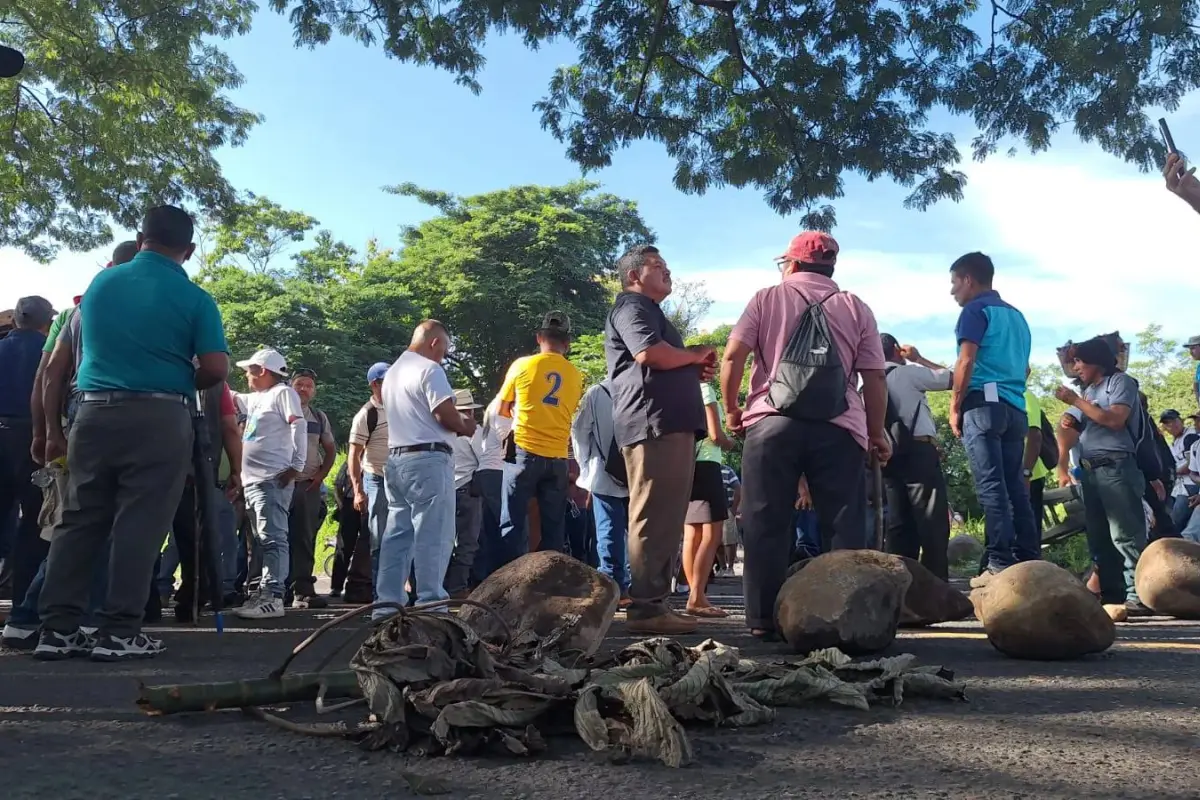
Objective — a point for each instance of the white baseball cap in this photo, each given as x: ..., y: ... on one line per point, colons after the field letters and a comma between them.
x: 268, y: 359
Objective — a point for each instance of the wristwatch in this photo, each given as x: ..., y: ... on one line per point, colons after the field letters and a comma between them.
x: 1027, y: 473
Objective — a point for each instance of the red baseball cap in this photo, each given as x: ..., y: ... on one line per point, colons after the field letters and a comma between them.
x: 812, y: 247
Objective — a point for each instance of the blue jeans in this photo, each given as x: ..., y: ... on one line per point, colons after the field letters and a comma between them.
x: 533, y: 477
x: 420, y: 528
x: 808, y: 534
x: 1191, y: 530
x: 377, y: 517
x: 267, y: 504
x: 612, y: 535
x: 1181, y: 512
x: 25, y: 613
x: 232, y: 546
x: 490, y: 483
x: 994, y: 437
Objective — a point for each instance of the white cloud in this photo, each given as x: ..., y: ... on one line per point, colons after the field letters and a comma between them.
x: 59, y: 282
x: 1079, y: 251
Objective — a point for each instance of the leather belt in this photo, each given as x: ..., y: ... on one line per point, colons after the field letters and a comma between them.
x: 925, y: 439
x: 431, y: 447
x: 1100, y: 461
x: 111, y: 397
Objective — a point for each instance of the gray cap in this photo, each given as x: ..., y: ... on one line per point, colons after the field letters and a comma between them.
x: 33, y: 312
x: 1192, y: 342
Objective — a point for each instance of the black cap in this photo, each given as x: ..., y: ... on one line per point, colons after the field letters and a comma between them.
x: 557, y: 322
x: 11, y: 62
x: 1169, y: 414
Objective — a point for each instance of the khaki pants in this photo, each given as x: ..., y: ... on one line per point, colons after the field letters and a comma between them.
x: 660, y: 485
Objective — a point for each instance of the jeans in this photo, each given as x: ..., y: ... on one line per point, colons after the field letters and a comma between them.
x: 232, y: 545
x: 1116, y: 525
x: 612, y: 533
x: 543, y: 479
x: 808, y: 534
x: 26, y: 547
x: 267, y: 504
x: 490, y: 484
x: 25, y: 614
x: 377, y: 518
x: 994, y: 437
x: 1191, y: 528
x: 420, y: 528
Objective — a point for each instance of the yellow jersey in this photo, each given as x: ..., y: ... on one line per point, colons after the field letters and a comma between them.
x: 545, y: 390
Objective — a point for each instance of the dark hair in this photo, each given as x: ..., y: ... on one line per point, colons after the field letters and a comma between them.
x: 633, y: 261
x: 890, y: 346
x: 556, y: 336
x: 304, y: 372
x: 124, y: 253
x: 975, y: 266
x: 168, y: 227
x: 1097, y: 353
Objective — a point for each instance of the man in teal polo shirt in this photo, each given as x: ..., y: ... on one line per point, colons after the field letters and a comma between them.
x: 131, y: 443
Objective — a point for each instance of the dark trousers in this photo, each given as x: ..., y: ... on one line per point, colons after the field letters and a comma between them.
x: 191, y: 542
x: 1164, y: 520
x: 16, y: 492
x: 778, y: 451
x: 468, y: 516
x: 533, y: 477
x: 490, y: 485
x: 581, y: 535
x: 1116, y: 525
x: 127, y: 461
x: 352, y: 559
x: 918, y: 508
x: 303, y: 523
x: 994, y: 438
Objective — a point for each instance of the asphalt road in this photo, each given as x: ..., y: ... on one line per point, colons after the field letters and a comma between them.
x: 1119, y: 725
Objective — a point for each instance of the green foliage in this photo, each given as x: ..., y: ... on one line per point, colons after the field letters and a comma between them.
x: 786, y: 97
x: 491, y: 265
x: 121, y: 106
x: 257, y: 231
x: 587, y: 353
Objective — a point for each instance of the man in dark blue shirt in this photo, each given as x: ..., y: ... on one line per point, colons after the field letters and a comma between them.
x: 130, y: 447
x: 987, y: 409
x: 20, y: 352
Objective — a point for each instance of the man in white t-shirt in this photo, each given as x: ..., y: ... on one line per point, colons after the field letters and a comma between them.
x: 1183, y: 436
x: 468, y: 506
x: 422, y: 423
x: 274, y: 450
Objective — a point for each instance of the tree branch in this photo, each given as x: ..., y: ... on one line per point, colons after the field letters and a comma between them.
x: 655, y: 40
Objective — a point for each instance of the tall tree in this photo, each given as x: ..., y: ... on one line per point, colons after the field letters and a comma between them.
x: 687, y: 306
x: 256, y: 231
x: 121, y: 106
x: 787, y: 97
x: 491, y: 265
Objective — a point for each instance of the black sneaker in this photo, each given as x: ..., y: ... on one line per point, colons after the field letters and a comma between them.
x: 1136, y: 608
x: 315, y: 601
x: 334, y: 594
x: 53, y: 646
x: 16, y: 637
x: 114, y: 648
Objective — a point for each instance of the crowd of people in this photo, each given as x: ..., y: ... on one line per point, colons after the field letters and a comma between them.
x: 120, y: 409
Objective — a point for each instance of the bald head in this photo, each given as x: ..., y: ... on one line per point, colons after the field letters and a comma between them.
x: 124, y: 253
x: 431, y: 340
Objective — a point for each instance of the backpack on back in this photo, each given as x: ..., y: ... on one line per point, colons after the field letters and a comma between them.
x: 1049, y: 453
x: 614, y: 461
x: 810, y: 381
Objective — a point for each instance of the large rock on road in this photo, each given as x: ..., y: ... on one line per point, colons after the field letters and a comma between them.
x: 1168, y: 577
x: 848, y: 599
x: 930, y: 599
x: 538, y: 592
x: 1038, y: 610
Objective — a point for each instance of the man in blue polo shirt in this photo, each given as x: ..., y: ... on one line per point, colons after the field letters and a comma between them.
x: 20, y: 352
x: 131, y: 443
x: 987, y: 409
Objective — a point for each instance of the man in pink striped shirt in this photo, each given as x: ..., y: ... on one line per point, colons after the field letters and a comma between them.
x: 785, y: 442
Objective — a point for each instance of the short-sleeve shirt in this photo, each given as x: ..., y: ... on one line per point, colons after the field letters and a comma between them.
x: 1180, y: 448
x: 143, y: 322
x: 317, y: 424
x: 545, y: 390
x: 773, y: 314
x: 648, y: 403
x: 1033, y: 413
x: 58, y: 326
x: 1002, y: 335
x: 1096, y: 440
x: 707, y: 449
x: 268, y: 445
x: 374, y: 442
x: 20, y: 354
x: 907, y: 385
x: 413, y: 388
x: 731, y: 481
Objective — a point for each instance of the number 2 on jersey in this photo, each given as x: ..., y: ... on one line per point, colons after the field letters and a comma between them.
x: 555, y: 380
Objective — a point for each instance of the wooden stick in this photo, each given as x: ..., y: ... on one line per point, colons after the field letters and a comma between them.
x: 292, y: 688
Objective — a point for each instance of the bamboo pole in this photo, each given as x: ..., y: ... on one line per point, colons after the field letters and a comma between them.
x: 290, y: 688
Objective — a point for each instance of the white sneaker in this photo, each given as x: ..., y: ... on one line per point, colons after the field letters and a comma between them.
x: 18, y: 638
x: 263, y: 607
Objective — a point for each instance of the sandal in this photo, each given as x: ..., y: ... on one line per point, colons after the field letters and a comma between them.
x: 707, y: 612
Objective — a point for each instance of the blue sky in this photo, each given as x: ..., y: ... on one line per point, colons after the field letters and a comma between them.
x: 1083, y: 243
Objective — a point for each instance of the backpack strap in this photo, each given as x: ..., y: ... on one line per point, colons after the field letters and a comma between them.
x: 372, y: 419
